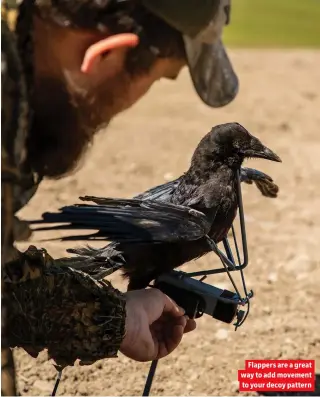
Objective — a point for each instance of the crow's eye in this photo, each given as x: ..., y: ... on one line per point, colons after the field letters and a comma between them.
x: 236, y: 144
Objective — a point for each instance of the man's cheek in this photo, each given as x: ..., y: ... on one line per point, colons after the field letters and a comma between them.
x: 138, y: 90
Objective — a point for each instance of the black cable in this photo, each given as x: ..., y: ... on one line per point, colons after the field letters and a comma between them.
x: 150, y: 377
x: 57, y: 383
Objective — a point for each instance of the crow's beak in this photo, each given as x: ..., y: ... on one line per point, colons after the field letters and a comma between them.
x: 270, y: 155
x: 263, y: 153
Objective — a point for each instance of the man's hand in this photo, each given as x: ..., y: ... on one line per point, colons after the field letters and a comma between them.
x: 154, y: 326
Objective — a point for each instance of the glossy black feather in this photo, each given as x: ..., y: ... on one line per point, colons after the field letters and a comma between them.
x: 132, y: 220
x: 153, y: 238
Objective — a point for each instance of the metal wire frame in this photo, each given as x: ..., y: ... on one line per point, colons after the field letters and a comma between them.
x: 227, y: 258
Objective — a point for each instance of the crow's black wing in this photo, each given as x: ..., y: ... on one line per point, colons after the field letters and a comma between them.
x: 263, y: 181
x: 128, y: 220
x: 161, y: 192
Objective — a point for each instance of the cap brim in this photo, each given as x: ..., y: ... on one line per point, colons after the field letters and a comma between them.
x: 211, y: 71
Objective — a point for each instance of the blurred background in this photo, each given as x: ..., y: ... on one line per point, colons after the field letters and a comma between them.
x: 274, y: 23
x: 273, y: 45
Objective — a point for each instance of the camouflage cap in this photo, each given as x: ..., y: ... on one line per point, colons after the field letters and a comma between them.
x: 201, y: 23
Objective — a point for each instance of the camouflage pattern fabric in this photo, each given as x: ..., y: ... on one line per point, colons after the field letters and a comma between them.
x: 43, y: 305
x: 13, y: 119
x: 63, y: 310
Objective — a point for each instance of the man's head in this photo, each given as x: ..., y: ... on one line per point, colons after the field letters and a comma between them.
x: 82, y: 81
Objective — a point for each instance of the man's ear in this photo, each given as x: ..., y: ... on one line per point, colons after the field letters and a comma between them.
x: 97, y: 49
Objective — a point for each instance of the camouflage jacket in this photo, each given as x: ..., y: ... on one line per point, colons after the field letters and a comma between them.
x: 44, y: 306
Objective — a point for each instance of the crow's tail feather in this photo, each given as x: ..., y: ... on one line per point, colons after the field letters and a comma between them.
x: 98, y: 262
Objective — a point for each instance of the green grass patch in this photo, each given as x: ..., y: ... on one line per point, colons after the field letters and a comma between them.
x: 274, y: 23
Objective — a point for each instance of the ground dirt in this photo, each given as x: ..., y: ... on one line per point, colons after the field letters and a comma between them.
x: 279, y: 102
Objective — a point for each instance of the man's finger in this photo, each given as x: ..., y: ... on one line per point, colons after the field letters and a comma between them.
x: 170, y: 307
x: 158, y: 305
x: 173, y: 334
x: 190, y: 326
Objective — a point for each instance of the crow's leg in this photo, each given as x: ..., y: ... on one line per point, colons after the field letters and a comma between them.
x: 263, y: 181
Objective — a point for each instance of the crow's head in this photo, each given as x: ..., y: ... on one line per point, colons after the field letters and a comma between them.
x: 231, y: 143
